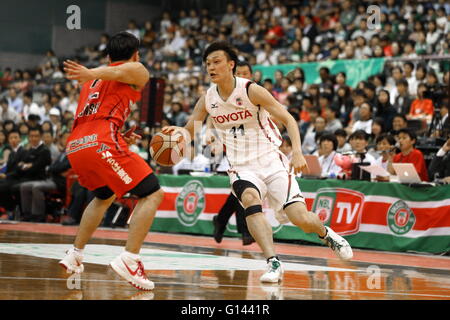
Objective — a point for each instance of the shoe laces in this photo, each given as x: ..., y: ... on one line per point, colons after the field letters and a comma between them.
x: 334, y: 244
x: 140, y: 271
x: 274, y: 265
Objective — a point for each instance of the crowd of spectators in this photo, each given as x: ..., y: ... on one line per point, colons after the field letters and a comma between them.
x: 332, y: 116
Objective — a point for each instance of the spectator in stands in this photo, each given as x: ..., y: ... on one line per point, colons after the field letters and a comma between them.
x: 384, y: 108
x: 332, y: 118
x: 80, y: 198
x: 49, y: 141
x: 359, y: 97
x: 5, y: 151
x: 343, y: 145
x: 403, y: 100
x: 421, y: 108
x: 409, y: 154
x: 398, y: 122
x: 309, y: 144
x: 397, y: 74
x: 32, y: 193
x: 386, y: 149
x: 30, y: 107
x: 328, y: 145
x: 14, y: 101
x: 8, y: 177
x: 365, y: 116
x: 440, y: 164
x: 359, y: 142
x: 7, y: 112
x: 378, y: 128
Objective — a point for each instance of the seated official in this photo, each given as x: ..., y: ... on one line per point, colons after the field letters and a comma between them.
x: 440, y: 164
x: 409, y: 154
x: 328, y: 144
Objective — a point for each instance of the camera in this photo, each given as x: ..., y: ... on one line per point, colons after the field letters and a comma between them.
x: 437, y: 94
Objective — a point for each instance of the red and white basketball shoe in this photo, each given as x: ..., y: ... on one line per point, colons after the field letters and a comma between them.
x: 132, y: 270
x: 72, y: 262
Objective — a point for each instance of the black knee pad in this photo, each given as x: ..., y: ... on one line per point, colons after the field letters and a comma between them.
x: 103, y: 193
x: 147, y: 186
x: 252, y: 210
x: 239, y: 187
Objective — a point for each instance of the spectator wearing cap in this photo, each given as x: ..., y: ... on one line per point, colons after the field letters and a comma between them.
x: 409, y: 154
x: 30, y: 107
x: 55, y: 119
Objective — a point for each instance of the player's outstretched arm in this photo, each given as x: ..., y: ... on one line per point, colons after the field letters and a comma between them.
x: 133, y: 73
x: 259, y: 96
x: 198, y: 116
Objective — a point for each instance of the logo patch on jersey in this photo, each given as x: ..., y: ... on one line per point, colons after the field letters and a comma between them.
x: 214, y: 105
x: 235, y: 116
x: 90, y: 108
x: 103, y: 147
x: 239, y: 101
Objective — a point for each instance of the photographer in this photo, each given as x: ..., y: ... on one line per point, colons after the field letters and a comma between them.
x: 440, y: 165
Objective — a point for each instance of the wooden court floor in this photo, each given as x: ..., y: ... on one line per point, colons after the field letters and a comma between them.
x: 187, y: 267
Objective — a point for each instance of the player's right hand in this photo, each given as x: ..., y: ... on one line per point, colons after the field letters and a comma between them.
x: 76, y: 71
x: 171, y: 130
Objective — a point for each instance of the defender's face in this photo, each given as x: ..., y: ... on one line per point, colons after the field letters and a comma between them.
x: 218, y: 66
x: 244, y: 72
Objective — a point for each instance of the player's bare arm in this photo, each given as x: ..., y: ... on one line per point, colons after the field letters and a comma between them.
x: 199, y: 114
x: 259, y: 96
x: 133, y: 73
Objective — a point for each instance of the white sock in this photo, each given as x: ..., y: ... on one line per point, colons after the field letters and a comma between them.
x: 132, y: 255
x: 79, y: 251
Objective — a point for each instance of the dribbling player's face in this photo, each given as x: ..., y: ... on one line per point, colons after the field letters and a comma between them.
x: 218, y: 66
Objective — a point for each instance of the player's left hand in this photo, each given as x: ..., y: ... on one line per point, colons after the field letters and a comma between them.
x: 130, y: 137
x: 298, y: 163
x: 76, y: 71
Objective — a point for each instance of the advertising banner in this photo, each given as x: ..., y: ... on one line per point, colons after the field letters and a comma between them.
x: 382, y: 216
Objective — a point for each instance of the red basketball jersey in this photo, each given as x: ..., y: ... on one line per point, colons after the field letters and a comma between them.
x: 105, y: 99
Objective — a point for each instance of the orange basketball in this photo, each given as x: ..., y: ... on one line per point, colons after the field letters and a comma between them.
x: 167, y: 149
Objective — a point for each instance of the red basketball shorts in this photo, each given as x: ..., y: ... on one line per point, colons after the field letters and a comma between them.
x: 100, y: 157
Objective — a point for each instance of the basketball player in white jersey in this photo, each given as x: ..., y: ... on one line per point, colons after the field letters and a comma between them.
x: 240, y: 111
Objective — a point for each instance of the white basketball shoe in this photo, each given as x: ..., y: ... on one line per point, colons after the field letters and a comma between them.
x: 274, y: 273
x: 72, y: 262
x: 132, y: 270
x: 338, y: 244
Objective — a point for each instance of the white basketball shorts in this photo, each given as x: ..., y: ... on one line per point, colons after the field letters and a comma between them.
x: 272, y: 178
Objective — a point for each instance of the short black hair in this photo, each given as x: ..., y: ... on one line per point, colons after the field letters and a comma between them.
x: 122, y: 46
x: 329, y: 137
x: 340, y: 133
x: 35, y: 128
x: 384, y: 136
x: 359, y: 134
x: 14, y: 130
x: 409, y: 132
x: 242, y: 63
x: 230, y: 52
x: 402, y: 82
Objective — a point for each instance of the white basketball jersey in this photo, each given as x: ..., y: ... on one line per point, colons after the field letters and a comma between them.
x: 246, y: 130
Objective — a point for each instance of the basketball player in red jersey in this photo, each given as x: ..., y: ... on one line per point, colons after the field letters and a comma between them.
x: 99, y: 154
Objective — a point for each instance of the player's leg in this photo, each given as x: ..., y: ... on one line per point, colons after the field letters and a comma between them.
x: 93, y: 215
x: 151, y: 195
x: 91, y: 219
x: 128, y: 264
x: 258, y: 226
x: 295, y: 208
x: 257, y: 223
